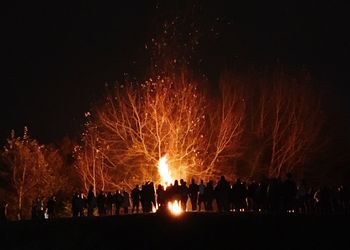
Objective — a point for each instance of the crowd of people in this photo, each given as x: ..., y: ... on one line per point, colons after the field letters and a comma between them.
x: 275, y: 195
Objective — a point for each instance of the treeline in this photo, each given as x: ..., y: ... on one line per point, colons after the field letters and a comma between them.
x: 29, y: 170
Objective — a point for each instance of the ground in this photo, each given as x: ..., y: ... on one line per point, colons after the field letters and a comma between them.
x: 188, y: 231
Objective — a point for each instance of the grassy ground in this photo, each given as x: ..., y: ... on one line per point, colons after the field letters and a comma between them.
x: 188, y: 231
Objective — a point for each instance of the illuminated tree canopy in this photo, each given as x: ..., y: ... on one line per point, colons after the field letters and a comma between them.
x: 30, y: 170
x: 273, y: 126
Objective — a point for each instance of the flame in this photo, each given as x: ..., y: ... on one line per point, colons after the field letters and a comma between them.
x: 166, y: 179
x: 164, y: 171
x: 154, y: 209
x: 175, y: 207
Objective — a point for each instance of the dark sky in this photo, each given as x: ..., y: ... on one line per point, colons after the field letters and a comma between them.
x: 57, y: 57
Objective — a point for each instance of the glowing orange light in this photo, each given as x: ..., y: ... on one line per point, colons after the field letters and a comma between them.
x: 154, y: 209
x: 175, y: 207
x: 164, y: 172
x: 165, y: 179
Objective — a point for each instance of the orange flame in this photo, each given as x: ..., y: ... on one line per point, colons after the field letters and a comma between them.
x: 175, y: 207
x: 166, y: 179
x: 164, y: 172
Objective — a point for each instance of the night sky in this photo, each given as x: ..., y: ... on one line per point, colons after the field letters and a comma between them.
x: 56, y: 57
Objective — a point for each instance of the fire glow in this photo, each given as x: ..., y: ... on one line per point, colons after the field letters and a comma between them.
x: 164, y: 171
x: 175, y: 207
x: 166, y: 179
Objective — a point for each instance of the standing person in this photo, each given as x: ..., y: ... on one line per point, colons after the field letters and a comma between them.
x: 143, y: 198
x: 109, y: 203
x: 160, y: 197
x: 135, y: 197
x: 201, y: 196
x: 82, y: 204
x: 289, y: 193
x: 118, y: 198
x: 151, y: 196
x: 51, y: 207
x: 209, y: 195
x: 193, y: 190
x: 301, y: 197
x: 38, y: 209
x: 184, y: 194
x: 101, y: 201
x: 126, y: 202
x: 91, y: 201
x: 222, y: 191
x: 75, y: 204
x: 3, y: 211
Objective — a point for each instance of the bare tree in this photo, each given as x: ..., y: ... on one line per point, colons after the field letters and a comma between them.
x: 227, y: 112
x: 140, y: 123
x: 89, y: 159
x: 287, y: 120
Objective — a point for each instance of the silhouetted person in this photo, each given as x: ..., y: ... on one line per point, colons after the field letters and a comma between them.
x: 193, y: 192
x: 239, y: 194
x: 78, y: 205
x: 261, y: 195
x: 275, y: 194
x: 51, y: 207
x: 83, y: 204
x: 91, y: 201
x: 126, y: 202
x: 3, y: 211
x: 148, y: 197
x: 75, y: 204
x: 135, y: 197
x: 152, y: 194
x: 101, y: 201
x: 316, y: 198
x: 143, y: 198
x: 301, y: 197
x: 201, y: 196
x: 118, y: 197
x: 184, y: 194
x: 251, y: 196
x: 222, y: 191
x: 38, y: 209
x: 209, y: 195
x: 169, y: 193
x: 160, y: 197
x: 176, y: 191
x: 341, y: 198
x: 289, y: 193
x: 109, y: 203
